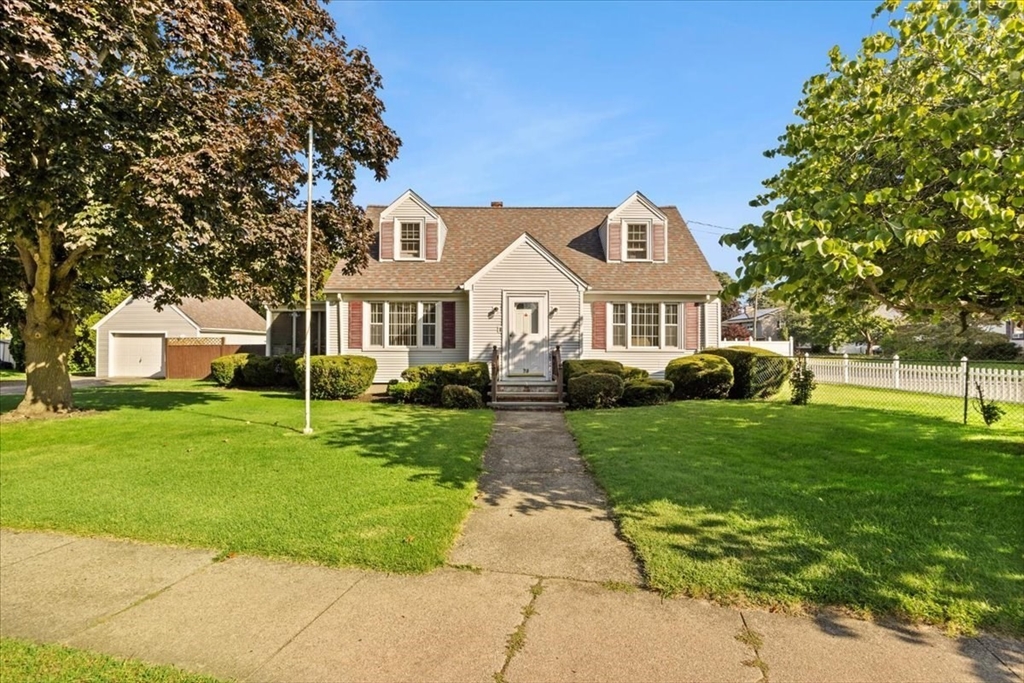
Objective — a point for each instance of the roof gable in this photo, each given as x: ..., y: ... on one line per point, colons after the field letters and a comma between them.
x: 637, y: 198
x: 409, y: 195
x: 544, y: 253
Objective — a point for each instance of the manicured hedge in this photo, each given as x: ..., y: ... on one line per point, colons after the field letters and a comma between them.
x: 334, y: 377
x: 701, y: 375
x: 646, y: 392
x: 757, y: 373
x: 629, y: 374
x: 227, y: 370
x: 575, y: 368
x: 595, y: 390
x: 433, y: 378
x: 259, y: 371
x: 403, y: 392
x: 457, y: 396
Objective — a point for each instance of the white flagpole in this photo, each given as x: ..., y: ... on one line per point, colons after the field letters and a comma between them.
x: 309, y: 266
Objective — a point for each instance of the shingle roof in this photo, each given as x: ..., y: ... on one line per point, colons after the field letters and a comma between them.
x: 477, y: 234
x: 749, y: 317
x: 222, y: 314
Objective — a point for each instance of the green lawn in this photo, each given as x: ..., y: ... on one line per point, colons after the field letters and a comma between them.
x: 6, y: 373
x: 901, y: 512
x: 376, y: 486
x: 22, y: 662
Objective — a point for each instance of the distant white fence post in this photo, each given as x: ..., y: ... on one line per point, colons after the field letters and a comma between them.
x: 846, y: 368
x: 896, y: 371
x: 792, y: 347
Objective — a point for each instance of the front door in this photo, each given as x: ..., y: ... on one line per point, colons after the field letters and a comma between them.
x: 528, y: 336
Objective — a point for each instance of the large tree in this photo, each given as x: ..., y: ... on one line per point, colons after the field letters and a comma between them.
x: 156, y: 146
x: 904, y: 181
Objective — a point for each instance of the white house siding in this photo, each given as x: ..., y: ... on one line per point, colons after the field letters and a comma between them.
x: 141, y: 317
x: 391, y: 362
x: 525, y: 271
x: 712, y: 324
x: 651, y: 360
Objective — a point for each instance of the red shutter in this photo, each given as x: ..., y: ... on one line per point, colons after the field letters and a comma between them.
x: 355, y: 324
x: 447, y: 324
x: 659, y: 241
x: 691, y: 325
x: 599, y: 327
x: 387, y: 240
x: 431, y: 241
x: 614, y: 240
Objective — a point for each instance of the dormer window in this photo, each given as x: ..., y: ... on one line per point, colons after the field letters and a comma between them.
x: 638, y: 241
x: 410, y: 241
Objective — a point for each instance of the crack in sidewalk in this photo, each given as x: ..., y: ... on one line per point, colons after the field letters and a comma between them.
x: 754, y: 641
x: 517, y: 639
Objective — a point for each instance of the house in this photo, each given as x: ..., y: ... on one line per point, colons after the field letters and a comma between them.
x: 131, y: 339
x: 768, y: 322
x: 451, y: 284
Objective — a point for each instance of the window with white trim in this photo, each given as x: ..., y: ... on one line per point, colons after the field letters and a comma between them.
x: 638, y: 241
x: 404, y: 324
x: 410, y: 243
x: 619, y: 325
x: 377, y: 323
x: 428, y: 324
x: 646, y: 325
x: 672, y: 325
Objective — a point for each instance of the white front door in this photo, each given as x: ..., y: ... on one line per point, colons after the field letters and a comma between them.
x: 528, y: 336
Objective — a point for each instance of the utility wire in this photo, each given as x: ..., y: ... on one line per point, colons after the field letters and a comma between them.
x: 712, y: 225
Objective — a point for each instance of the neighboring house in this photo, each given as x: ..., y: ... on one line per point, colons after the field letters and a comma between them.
x: 1015, y: 332
x: 768, y: 322
x: 450, y: 284
x: 130, y: 340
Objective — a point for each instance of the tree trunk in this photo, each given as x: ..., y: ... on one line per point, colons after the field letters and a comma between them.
x: 48, y: 342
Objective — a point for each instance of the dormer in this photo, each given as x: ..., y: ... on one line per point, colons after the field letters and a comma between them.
x: 410, y: 230
x: 635, y: 231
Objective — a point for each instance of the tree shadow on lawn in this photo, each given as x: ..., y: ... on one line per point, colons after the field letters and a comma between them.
x: 436, y: 442
x: 129, y: 396
x: 867, y: 510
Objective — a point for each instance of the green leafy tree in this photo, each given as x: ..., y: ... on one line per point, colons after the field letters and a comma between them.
x: 158, y: 147
x: 904, y: 181
x: 731, y: 306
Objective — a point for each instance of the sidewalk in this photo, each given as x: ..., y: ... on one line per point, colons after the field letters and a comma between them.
x: 540, y: 589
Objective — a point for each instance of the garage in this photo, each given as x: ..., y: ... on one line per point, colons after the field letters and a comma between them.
x: 136, y: 355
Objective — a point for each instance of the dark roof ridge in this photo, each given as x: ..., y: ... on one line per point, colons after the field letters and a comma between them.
x: 539, y: 208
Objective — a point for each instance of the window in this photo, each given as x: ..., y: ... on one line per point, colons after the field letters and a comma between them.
x: 646, y: 325
x: 619, y: 325
x: 402, y: 324
x: 428, y: 324
x: 672, y: 325
x: 377, y: 323
x: 644, y: 328
x: 636, y: 242
x: 409, y: 240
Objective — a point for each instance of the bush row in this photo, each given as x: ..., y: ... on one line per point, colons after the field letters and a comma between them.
x: 330, y: 377
x: 451, y: 385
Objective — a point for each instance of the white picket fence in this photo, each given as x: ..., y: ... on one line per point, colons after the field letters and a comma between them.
x: 999, y: 384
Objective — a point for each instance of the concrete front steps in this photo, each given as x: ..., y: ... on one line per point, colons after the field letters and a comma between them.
x: 526, y: 395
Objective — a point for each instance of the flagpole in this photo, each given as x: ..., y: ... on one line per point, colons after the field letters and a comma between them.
x: 309, y: 266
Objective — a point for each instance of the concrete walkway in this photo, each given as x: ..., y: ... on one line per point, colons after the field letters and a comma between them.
x: 538, y: 510
x: 540, y: 589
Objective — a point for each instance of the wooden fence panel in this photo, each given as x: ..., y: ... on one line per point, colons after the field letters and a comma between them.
x: 190, y: 357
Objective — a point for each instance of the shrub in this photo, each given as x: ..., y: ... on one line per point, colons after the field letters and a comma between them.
x: 701, y: 375
x: 757, y: 373
x: 575, y: 368
x: 595, y: 390
x: 403, y: 392
x: 803, y: 384
x: 458, y: 396
x: 334, y: 377
x: 285, y: 368
x: 629, y: 374
x: 259, y: 371
x: 999, y: 350
x: 646, y: 392
x: 433, y: 378
x: 227, y: 370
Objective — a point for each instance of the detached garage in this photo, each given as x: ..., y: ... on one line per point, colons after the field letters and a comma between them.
x: 131, y: 340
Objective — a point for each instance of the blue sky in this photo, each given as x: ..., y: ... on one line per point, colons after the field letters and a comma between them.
x: 580, y: 104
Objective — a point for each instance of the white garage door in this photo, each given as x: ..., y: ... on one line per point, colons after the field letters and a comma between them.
x: 136, y: 355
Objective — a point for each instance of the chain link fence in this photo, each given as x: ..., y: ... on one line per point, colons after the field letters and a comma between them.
x: 955, y: 391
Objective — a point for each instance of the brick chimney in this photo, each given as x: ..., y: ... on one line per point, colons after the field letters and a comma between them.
x: 497, y: 205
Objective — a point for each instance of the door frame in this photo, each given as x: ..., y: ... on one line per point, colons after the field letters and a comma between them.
x: 544, y: 329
